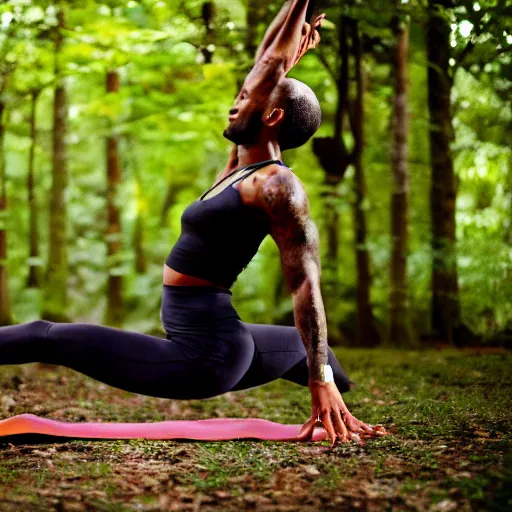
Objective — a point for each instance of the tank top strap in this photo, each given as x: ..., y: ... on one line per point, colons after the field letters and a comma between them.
x: 247, y: 171
x: 256, y: 167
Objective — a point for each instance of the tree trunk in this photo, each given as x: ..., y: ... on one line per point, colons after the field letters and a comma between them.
x: 115, y: 310
x: 399, y: 325
x: 138, y: 245
x: 34, y: 273
x: 508, y: 187
x: 208, y: 15
x: 138, y: 232
x: 333, y: 228
x: 445, y: 294
x: 5, y: 309
x: 330, y: 273
x: 331, y: 151
x: 253, y: 18
x: 508, y: 229
x: 333, y: 157
x: 170, y: 198
x: 366, y: 335
x: 55, y: 294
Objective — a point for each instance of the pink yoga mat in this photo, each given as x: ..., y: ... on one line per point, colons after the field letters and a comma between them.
x: 215, y: 429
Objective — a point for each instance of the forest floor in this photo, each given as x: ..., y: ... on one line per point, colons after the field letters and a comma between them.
x: 450, y: 413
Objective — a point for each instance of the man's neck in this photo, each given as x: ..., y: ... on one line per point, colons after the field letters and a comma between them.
x: 253, y: 153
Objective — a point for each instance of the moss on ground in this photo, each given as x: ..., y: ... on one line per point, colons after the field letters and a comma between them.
x: 450, y: 412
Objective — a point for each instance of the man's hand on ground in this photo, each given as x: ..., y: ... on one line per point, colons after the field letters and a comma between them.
x: 328, y: 408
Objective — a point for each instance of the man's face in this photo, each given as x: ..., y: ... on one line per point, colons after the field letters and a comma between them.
x: 245, y: 122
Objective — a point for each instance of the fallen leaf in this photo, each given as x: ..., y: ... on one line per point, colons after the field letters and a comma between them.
x: 481, y: 433
x: 311, y: 470
x: 7, y: 402
x: 444, y: 506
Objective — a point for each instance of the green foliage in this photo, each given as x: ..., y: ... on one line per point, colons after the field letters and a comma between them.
x: 170, y: 113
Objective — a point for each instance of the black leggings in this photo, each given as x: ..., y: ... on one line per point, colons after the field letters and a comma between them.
x: 208, y: 351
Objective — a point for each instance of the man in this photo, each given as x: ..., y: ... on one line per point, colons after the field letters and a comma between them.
x: 272, y: 113
x: 209, y: 350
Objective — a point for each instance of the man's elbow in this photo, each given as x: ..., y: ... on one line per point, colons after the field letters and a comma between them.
x: 304, y: 287
x: 302, y: 277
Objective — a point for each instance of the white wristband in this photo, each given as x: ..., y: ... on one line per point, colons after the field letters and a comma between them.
x: 327, y: 373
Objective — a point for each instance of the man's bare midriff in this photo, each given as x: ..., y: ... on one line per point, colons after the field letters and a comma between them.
x: 172, y: 277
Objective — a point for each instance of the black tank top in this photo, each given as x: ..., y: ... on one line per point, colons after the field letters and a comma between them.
x: 220, y: 236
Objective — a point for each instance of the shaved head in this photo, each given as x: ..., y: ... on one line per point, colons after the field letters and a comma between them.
x: 302, y: 113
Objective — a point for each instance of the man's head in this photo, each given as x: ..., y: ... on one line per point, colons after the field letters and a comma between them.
x: 290, y: 114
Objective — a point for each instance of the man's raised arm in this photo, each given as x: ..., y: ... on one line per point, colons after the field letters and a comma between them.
x: 281, y: 54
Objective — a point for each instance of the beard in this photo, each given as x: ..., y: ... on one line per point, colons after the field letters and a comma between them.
x: 245, y: 132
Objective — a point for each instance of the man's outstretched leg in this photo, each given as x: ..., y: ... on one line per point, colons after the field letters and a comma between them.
x: 127, y: 360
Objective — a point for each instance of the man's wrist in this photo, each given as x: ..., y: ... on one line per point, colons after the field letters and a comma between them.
x: 323, y: 373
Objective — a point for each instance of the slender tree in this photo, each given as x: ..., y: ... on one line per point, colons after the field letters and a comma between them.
x: 173, y: 190
x: 208, y: 15
x: 34, y: 274
x: 253, y: 18
x: 366, y: 334
x: 445, y: 308
x: 399, y: 327
x: 138, y: 244
x: 138, y: 231
x: 332, y: 152
x: 334, y: 157
x: 115, y: 309
x: 55, y: 296
x: 508, y: 188
x: 5, y: 309
x: 508, y: 230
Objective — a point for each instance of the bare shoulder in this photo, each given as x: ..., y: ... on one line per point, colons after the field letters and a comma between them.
x: 284, y: 199
x: 282, y: 195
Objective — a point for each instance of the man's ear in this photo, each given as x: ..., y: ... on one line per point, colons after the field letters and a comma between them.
x: 274, y: 117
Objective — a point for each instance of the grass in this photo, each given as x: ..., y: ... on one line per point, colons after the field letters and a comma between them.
x: 450, y: 413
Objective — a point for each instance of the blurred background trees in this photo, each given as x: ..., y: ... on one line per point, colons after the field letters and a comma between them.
x: 111, y: 120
